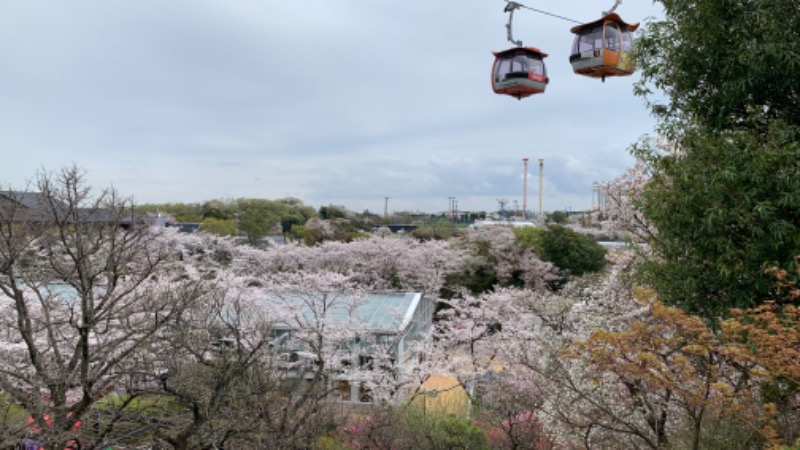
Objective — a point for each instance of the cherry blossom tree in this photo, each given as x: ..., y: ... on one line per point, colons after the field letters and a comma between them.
x: 268, y: 359
x: 620, y: 208
x: 194, y: 340
x: 506, y: 346
x: 211, y: 368
x: 377, y: 262
x: 495, y: 259
x: 639, y: 374
x: 496, y: 344
x: 84, y: 288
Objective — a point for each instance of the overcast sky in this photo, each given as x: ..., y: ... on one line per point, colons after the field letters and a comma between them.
x: 344, y: 102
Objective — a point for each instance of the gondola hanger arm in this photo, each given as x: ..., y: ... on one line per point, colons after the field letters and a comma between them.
x: 510, y: 7
x: 616, y: 3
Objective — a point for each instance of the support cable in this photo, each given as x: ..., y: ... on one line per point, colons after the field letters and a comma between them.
x: 511, y: 6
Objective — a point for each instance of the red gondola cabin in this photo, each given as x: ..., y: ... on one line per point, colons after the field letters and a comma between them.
x: 603, y: 48
x: 519, y: 72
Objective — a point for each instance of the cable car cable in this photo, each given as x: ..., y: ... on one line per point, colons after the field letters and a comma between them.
x: 511, y: 6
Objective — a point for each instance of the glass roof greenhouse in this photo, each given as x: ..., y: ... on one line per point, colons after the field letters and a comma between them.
x: 386, y: 312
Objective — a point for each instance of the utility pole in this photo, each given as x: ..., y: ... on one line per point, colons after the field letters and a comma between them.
x: 451, y: 207
x: 502, y: 202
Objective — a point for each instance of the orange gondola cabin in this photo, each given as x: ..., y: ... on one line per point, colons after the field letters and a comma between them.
x: 603, y: 48
x: 519, y: 72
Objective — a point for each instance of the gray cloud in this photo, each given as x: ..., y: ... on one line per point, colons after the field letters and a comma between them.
x: 342, y: 102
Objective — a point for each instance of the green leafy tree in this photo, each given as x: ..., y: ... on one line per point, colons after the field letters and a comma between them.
x: 218, y: 209
x: 297, y: 233
x: 256, y: 218
x: 559, y: 217
x: 725, y: 201
x: 569, y: 250
x: 529, y: 237
x: 220, y: 227
x: 332, y: 212
x: 724, y: 211
x: 721, y: 62
x: 294, y: 212
x: 182, y: 212
x: 439, y: 230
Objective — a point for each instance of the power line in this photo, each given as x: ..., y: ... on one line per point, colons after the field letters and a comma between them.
x: 520, y: 5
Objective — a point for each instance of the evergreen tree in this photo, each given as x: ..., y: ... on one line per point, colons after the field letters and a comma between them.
x: 726, y: 201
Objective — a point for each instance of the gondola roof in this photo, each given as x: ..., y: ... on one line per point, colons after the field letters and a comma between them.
x: 612, y: 17
x: 513, y: 49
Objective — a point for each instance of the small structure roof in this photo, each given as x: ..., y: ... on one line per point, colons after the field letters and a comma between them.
x: 388, y: 312
x: 25, y: 199
x: 35, y: 206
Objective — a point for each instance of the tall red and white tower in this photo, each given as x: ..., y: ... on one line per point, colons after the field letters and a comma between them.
x: 541, y: 180
x: 525, y: 188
